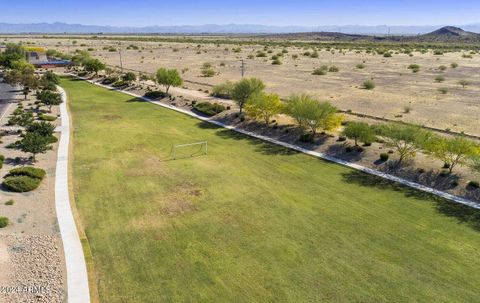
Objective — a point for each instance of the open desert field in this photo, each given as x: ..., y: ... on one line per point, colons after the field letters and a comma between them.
x: 250, y: 222
x: 458, y: 109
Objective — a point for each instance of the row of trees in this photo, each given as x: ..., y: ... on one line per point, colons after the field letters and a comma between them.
x: 407, y: 140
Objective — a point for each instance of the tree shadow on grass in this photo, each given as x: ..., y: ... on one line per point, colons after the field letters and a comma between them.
x: 135, y: 100
x: 462, y: 213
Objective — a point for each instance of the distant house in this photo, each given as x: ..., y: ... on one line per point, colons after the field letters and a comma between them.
x: 40, y: 59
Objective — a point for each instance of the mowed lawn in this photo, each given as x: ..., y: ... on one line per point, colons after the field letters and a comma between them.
x: 250, y: 222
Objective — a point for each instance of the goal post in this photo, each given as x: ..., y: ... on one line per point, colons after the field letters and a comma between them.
x: 203, y: 148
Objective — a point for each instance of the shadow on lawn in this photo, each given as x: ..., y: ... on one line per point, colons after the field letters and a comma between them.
x: 462, y: 213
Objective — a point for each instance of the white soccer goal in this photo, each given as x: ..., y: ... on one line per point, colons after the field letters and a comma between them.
x: 191, y: 151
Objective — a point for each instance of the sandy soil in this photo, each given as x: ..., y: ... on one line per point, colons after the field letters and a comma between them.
x: 31, y: 252
x: 396, y: 86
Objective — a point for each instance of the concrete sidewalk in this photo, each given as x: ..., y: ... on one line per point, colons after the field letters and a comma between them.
x: 77, y: 277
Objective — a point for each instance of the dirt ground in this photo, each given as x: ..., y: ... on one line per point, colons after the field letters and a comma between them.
x: 397, y: 87
x: 31, y: 252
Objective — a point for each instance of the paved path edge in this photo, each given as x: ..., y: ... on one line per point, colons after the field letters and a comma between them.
x: 77, y: 277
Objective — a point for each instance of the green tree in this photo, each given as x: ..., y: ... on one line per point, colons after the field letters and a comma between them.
x: 42, y: 128
x: 264, y: 106
x: 406, y: 139
x: 312, y: 114
x: 244, y: 89
x: 12, y: 53
x: 453, y: 151
x: 129, y: 77
x: 49, y: 98
x: 24, y: 118
x: 35, y: 144
x: 50, y: 77
x: 359, y: 131
x: 93, y: 65
x: 168, y: 78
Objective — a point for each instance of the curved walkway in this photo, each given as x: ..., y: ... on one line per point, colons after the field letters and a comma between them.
x: 77, y: 277
x: 321, y: 155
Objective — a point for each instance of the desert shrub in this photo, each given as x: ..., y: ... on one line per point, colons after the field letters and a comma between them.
x: 369, y: 84
x: 307, y: 138
x: 3, y: 222
x: 209, y: 109
x: 320, y: 71
x: 442, y: 68
x: 21, y: 183
x: 463, y: 83
x: 43, y: 117
x: 438, y: 52
x: 29, y: 171
x: 276, y: 62
x: 109, y: 80
x: 155, y: 94
x: 439, y: 79
x: 384, y: 157
x: 261, y: 54
x: 360, y: 66
x: 207, y: 70
x: 407, y: 109
x: 10, y: 202
x: 443, y: 90
x: 387, y: 54
x: 454, y: 65
x: 119, y: 83
x: 314, y: 55
x: 415, y: 68
x: 333, y: 69
x: 473, y: 184
x: 223, y: 90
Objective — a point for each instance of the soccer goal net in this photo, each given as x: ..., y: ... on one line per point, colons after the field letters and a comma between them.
x: 189, y: 150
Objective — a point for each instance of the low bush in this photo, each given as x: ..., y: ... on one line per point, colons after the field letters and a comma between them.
x: 369, y: 84
x: 223, y: 90
x: 443, y: 90
x: 360, y: 66
x: 209, y: 109
x: 2, y: 159
x: 155, y: 94
x: 3, y: 222
x: 307, y: 138
x: 473, y: 184
x: 21, y: 183
x: 415, y: 68
x: 439, y: 79
x: 10, y: 202
x: 333, y: 69
x: 43, y: 117
x: 29, y: 171
x: 277, y: 62
x: 109, y: 80
x: 384, y: 157
x: 119, y: 83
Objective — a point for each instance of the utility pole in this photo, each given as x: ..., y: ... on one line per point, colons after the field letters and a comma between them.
x: 242, y: 67
x: 120, y: 53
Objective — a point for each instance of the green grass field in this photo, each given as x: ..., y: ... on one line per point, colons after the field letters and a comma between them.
x: 251, y: 222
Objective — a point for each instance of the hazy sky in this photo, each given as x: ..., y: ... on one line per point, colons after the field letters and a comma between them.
x: 268, y: 12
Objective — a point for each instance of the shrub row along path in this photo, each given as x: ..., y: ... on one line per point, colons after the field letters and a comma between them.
x: 77, y: 278
x: 321, y: 155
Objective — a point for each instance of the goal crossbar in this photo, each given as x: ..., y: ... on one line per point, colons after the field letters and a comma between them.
x: 175, y: 147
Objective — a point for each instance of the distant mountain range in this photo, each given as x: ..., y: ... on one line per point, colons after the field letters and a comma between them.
x: 444, y: 34
x: 58, y: 28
